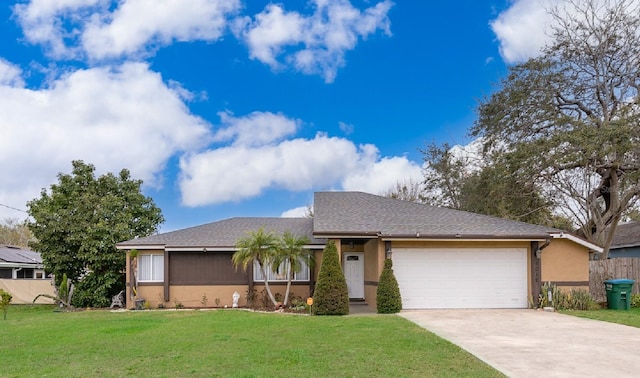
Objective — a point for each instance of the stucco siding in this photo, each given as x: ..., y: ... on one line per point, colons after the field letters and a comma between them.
x: 565, y: 262
x: 205, y: 296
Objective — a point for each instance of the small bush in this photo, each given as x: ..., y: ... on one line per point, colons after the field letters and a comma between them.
x: 388, y: 299
x: 5, y: 300
x: 635, y: 301
x: 331, y: 296
x: 576, y: 299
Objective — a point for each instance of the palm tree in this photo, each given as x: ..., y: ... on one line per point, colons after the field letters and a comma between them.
x: 292, y: 253
x: 258, y: 246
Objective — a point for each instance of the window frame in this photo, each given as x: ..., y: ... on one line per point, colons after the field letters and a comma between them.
x: 154, y: 257
x: 305, y: 272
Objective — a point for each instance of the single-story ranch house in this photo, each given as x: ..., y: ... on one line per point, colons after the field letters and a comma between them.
x: 22, y: 275
x: 442, y: 258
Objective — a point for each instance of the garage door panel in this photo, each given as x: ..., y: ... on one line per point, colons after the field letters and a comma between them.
x: 462, y: 277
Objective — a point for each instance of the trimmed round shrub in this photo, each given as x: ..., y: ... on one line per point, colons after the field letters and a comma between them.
x: 388, y: 299
x: 331, y: 296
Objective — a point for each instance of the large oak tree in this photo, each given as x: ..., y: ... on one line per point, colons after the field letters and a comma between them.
x: 571, y: 117
x: 79, y: 220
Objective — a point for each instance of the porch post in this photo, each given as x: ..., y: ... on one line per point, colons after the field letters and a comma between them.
x: 166, y: 276
x: 536, y: 274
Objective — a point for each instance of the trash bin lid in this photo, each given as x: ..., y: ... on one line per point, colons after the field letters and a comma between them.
x: 620, y: 281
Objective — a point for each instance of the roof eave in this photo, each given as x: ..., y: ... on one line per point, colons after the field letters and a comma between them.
x: 346, y: 235
x: 466, y: 237
x: 21, y: 265
x: 123, y: 246
x: 577, y: 240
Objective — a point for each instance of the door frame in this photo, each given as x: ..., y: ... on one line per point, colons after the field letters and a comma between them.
x: 360, y: 284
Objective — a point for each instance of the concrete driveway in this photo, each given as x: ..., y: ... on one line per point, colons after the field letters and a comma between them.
x: 530, y: 343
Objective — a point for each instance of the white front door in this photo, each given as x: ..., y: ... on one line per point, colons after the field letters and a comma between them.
x: 354, y: 273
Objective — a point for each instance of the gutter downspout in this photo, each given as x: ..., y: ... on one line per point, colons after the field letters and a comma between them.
x: 14, y: 273
x: 538, y: 251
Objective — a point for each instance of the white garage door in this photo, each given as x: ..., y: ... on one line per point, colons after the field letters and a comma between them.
x: 461, y: 278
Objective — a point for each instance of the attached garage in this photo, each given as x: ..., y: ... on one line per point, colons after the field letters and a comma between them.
x: 431, y: 278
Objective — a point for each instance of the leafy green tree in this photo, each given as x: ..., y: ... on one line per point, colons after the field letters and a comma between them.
x: 490, y: 185
x: 388, y: 299
x: 77, y: 223
x: 291, y: 253
x: 5, y: 301
x: 331, y: 296
x: 571, y: 117
x: 258, y: 246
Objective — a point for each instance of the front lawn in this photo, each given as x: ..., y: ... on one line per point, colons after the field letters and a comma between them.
x: 628, y: 317
x: 39, y: 342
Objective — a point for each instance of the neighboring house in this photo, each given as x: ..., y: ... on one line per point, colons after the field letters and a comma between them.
x: 22, y: 274
x: 626, y: 241
x: 442, y: 258
x: 20, y: 263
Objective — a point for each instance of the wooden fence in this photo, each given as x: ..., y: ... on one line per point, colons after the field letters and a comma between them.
x: 602, y: 270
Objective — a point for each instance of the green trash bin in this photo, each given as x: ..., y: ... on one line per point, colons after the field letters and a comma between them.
x: 619, y: 293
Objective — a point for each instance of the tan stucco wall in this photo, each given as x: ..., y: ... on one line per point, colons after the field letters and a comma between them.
x: 298, y: 290
x: 565, y: 261
x: 151, y: 294
x: 192, y: 296
x: 25, y: 290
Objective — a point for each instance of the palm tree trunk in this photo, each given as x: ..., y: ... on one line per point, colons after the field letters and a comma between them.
x: 286, y: 294
x: 266, y: 286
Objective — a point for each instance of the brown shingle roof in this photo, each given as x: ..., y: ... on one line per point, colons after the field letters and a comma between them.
x: 225, y: 233
x: 356, y: 213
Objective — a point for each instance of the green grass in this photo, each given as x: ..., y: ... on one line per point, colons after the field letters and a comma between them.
x: 627, y: 317
x: 39, y: 342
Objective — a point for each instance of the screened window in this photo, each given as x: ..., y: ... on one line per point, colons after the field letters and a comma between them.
x: 281, y: 273
x: 151, y: 268
x: 6, y: 273
x: 25, y: 273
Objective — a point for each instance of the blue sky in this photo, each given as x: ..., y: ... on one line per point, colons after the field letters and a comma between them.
x: 238, y: 108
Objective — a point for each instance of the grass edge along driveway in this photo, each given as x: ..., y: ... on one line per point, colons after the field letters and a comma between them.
x: 40, y: 342
x: 629, y: 317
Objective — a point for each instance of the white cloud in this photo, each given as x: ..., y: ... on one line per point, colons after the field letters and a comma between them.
x: 382, y: 175
x: 136, y: 23
x: 526, y: 26
x: 522, y: 29
x: 53, y: 23
x: 238, y: 172
x: 297, y: 212
x: 10, y: 74
x: 314, y: 44
x: 241, y: 171
x: 345, y: 127
x: 114, y: 118
x: 111, y: 29
x: 257, y: 128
